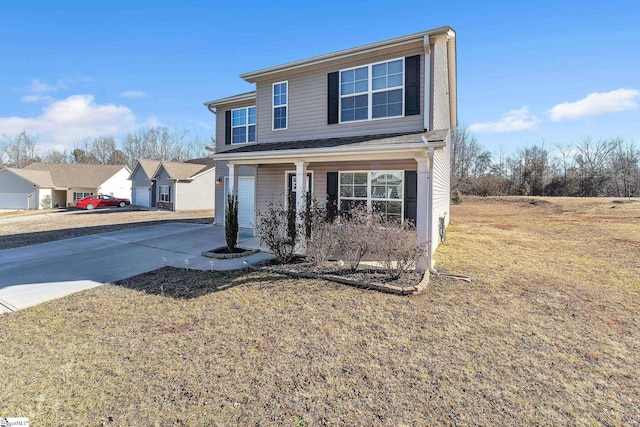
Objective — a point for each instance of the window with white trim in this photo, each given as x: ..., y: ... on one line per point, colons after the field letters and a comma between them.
x: 80, y: 195
x: 243, y: 125
x: 373, y: 91
x: 165, y: 193
x: 280, y: 105
x: 378, y: 190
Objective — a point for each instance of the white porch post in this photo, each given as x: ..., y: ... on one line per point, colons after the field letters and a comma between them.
x: 233, y: 179
x: 301, y: 191
x: 422, y: 210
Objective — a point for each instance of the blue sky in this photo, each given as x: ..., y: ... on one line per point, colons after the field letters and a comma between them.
x: 557, y: 71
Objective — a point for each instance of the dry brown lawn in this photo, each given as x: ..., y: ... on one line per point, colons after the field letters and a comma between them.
x: 548, y: 333
x: 46, y: 226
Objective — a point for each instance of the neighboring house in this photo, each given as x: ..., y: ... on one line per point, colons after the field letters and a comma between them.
x: 368, y: 125
x: 42, y: 185
x: 185, y: 186
x: 143, y: 186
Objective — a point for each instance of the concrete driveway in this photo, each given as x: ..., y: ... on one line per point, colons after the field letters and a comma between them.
x: 33, y: 274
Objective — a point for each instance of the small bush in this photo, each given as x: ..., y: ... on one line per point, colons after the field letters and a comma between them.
x: 276, y: 229
x: 353, y: 234
x: 45, y: 203
x: 231, y: 222
x: 456, y: 197
x: 320, y: 233
x: 394, y: 245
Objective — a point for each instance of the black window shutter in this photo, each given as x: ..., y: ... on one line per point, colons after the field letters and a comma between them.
x: 410, y: 195
x: 332, y: 195
x: 227, y: 127
x: 333, y: 98
x: 412, y: 85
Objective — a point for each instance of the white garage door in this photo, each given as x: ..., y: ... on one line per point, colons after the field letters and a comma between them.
x: 246, y: 201
x: 14, y: 201
x: 141, y: 196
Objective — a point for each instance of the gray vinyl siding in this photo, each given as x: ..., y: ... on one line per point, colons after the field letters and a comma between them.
x: 222, y: 171
x: 197, y: 194
x: 307, y: 105
x: 271, y: 179
x: 163, y: 179
x: 140, y: 179
x: 220, y: 124
x: 10, y: 183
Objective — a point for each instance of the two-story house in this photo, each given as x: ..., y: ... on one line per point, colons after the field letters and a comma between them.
x: 363, y: 126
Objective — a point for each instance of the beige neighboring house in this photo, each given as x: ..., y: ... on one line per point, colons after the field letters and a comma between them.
x: 370, y: 125
x: 42, y: 185
x: 179, y: 186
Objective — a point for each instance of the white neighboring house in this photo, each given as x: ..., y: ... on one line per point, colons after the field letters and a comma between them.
x: 42, y: 185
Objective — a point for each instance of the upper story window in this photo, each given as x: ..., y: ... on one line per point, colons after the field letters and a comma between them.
x: 280, y: 104
x: 373, y: 91
x: 243, y: 125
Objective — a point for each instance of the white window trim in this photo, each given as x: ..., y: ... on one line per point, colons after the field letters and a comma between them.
x: 168, y: 193
x: 370, y: 91
x: 86, y: 194
x: 273, y: 107
x: 370, y: 199
x: 246, y: 125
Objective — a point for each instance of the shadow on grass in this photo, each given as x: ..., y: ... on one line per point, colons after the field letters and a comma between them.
x: 178, y: 283
x: 26, y: 239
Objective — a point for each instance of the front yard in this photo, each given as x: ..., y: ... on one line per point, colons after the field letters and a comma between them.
x: 547, y: 333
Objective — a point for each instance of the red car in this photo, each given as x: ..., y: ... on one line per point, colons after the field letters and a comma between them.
x: 101, y: 201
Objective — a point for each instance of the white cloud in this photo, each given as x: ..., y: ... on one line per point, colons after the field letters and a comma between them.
x: 66, y: 121
x: 511, y: 121
x: 595, y: 104
x: 133, y: 94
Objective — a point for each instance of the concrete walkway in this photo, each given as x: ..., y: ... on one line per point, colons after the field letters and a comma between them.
x: 33, y: 274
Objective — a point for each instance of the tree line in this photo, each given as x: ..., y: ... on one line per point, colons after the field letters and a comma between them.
x: 153, y: 143
x: 589, y: 168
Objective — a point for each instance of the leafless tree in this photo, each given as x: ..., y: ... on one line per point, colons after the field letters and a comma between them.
x: 21, y: 150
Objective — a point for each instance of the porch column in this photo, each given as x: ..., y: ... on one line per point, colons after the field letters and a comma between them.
x: 301, y: 191
x: 233, y: 179
x: 422, y: 210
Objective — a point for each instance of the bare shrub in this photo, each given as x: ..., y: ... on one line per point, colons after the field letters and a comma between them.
x: 353, y: 234
x: 394, y: 246
x: 276, y: 229
x: 319, y: 233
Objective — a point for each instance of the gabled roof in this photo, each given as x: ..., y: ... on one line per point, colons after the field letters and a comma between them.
x: 149, y: 167
x: 185, y: 171
x: 40, y: 178
x: 252, y: 76
x: 76, y: 175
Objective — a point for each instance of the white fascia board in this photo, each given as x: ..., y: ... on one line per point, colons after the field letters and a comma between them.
x: 231, y: 99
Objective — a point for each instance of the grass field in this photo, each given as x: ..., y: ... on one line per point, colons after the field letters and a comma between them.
x: 548, y: 333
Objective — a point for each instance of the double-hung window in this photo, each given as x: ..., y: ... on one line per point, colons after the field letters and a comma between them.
x: 280, y: 105
x: 378, y: 190
x: 165, y: 193
x: 243, y: 125
x: 373, y: 91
